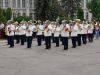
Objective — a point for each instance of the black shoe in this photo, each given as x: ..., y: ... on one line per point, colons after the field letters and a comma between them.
x: 11, y: 47
x: 73, y: 47
x: 57, y: 46
x: 66, y: 49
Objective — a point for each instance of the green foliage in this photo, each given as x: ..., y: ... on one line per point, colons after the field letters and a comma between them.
x: 48, y: 9
x: 80, y: 13
x: 5, y: 14
x: 71, y: 7
x: 2, y: 17
x: 21, y: 18
x: 8, y: 13
x: 94, y: 8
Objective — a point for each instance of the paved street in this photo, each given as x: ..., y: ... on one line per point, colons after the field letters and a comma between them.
x: 84, y: 60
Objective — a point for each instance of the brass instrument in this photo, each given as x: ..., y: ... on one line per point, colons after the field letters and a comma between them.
x: 9, y: 29
x: 46, y: 29
x: 65, y: 29
x: 35, y: 22
x: 27, y: 28
x: 79, y: 27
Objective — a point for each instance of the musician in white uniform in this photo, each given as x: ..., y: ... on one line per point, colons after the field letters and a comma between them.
x: 17, y: 36
x: 29, y: 32
x: 74, y: 34
x: 90, y: 32
x: 1, y: 26
x: 53, y: 26
x: 6, y: 32
x: 10, y: 33
x: 48, y: 34
x: 34, y: 30
x: 84, y: 33
x: 22, y: 32
x: 65, y: 35
x: 79, y: 32
x: 40, y: 29
x: 57, y: 31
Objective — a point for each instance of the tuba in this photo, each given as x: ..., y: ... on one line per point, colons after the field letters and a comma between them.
x: 35, y: 22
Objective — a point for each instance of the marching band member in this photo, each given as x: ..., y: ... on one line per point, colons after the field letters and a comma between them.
x: 17, y: 37
x: 57, y: 34
x: 48, y: 34
x: 79, y: 32
x: 34, y: 29
x: 84, y: 33
x: 53, y: 26
x: 90, y: 32
x: 29, y: 31
x: 65, y: 35
x: 6, y: 32
x: 1, y: 26
x: 22, y: 31
x: 10, y: 33
x: 74, y: 33
x: 40, y: 29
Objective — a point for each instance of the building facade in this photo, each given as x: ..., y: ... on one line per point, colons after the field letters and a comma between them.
x: 87, y: 14
x: 19, y: 7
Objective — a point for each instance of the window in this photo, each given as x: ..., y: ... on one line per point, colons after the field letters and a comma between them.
x: 19, y: 14
x: 1, y: 3
x: 24, y: 14
x: 31, y: 15
x: 30, y: 3
x: 23, y: 4
x: 6, y: 3
x: 18, y: 3
x: 14, y: 3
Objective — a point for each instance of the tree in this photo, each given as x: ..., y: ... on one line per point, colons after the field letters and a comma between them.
x: 48, y: 9
x: 94, y: 8
x: 2, y: 17
x: 8, y: 13
x: 80, y: 13
x: 71, y: 7
x: 42, y: 9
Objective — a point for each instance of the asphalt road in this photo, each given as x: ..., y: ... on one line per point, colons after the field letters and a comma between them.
x: 84, y: 60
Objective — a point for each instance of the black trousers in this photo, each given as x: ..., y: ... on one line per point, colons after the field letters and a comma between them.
x: 43, y: 38
x: 65, y: 42
x: 90, y: 37
x: 8, y: 42
x: 23, y: 39
x: 48, y: 42
x: 17, y: 37
x: 29, y: 41
x: 53, y: 38
x: 39, y: 40
x: 79, y: 37
x: 11, y: 41
x: 34, y: 35
x: 74, y: 41
x: 84, y: 38
x: 61, y: 39
x: 57, y: 41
